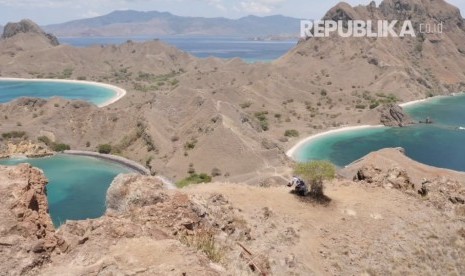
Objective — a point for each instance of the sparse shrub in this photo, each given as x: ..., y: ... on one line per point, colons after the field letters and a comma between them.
x: 194, y: 179
x: 216, y: 172
x: 263, y: 119
x: 374, y: 105
x: 291, y: 133
x: 245, y: 105
x: 190, y: 145
x: 315, y: 173
x: 45, y: 140
x: 87, y: 144
x: 104, y: 149
x: 60, y: 147
x: 14, y: 134
x: 204, y: 240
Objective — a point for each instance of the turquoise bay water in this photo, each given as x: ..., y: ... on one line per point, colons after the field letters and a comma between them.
x: 13, y: 89
x: 77, y: 184
x: 441, y: 144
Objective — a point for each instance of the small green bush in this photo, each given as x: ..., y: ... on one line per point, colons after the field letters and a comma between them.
x: 14, y: 134
x: 104, y: 149
x: 291, y: 133
x: 194, y: 179
x: 60, y: 147
x: 45, y: 140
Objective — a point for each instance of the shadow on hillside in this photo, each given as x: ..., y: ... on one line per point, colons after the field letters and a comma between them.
x: 316, y: 199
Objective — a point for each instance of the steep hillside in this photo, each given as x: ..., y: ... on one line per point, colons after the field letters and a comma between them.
x: 409, y: 67
x: 123, y: 23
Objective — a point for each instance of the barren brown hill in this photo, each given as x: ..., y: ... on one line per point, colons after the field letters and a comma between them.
x: 182, y: 112
x: 409, y: 67
x: 381, y: 224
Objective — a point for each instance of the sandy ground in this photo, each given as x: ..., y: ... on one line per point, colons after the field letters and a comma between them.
x: 119, y: 92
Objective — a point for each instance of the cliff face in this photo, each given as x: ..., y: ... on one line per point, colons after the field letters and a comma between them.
x: 394, y: 116
x: 27, y: 235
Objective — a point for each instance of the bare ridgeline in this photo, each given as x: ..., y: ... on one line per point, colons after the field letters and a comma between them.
x: 388, y: 214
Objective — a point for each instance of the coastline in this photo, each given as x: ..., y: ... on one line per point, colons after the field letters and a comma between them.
x: 169, y: 185
x: 290, y: 153
x: 113, y: 158
x: 119, y: 92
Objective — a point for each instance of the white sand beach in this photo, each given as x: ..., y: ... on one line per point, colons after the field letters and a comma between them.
x: 290, y: 153
x: 293, y: 150
x: 119, y: 92
x: 413, y: 102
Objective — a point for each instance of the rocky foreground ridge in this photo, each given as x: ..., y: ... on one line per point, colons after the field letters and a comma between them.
x: 397, y: 217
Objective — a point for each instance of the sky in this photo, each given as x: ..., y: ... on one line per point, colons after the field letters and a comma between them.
x: 58, y: 11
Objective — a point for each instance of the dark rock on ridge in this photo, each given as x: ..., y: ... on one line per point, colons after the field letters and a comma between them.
x: 27, y: 26
x: 394, y: 116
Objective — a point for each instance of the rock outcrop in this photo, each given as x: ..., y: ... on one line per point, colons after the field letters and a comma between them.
x: 27, y: 235
x: 391, y: 169
x: 146, y: 230
x: 24, y: 148
x: 27, y: 26
x: 394, y: 116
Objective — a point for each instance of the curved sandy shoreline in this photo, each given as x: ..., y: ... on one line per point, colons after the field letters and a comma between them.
x: 430, y: 99
x: 125, y: 162
x: 114, y: 158
x: 119, y: 92
x: 290, y: 153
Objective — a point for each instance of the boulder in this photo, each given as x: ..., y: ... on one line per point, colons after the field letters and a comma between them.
x: 394, y: 116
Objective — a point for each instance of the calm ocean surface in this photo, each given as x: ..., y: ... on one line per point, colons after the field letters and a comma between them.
x: 77, y: 184
x: 10, y: 90
x: 222, y: 47
x: 441, y: 144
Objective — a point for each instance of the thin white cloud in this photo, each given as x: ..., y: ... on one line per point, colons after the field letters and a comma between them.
x: 260, y: 6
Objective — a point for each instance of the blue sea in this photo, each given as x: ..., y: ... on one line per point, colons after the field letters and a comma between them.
x: 10, y: 90
x: 77, y: 184
x: 441, y: 144
x: 202, y: 47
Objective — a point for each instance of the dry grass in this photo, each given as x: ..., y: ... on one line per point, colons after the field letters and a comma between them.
x: 204, y: 240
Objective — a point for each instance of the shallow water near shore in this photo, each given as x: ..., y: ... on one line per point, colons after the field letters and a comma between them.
x: 13, y: 89
x: 77, y: 184
x: 441, y: 144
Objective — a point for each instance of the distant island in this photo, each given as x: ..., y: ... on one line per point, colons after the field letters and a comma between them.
x: 130, y: 22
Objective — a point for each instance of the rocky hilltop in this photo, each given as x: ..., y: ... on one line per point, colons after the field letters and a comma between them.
x: 234, y: 229
x: 26, y: 26
x: 413, y: 66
